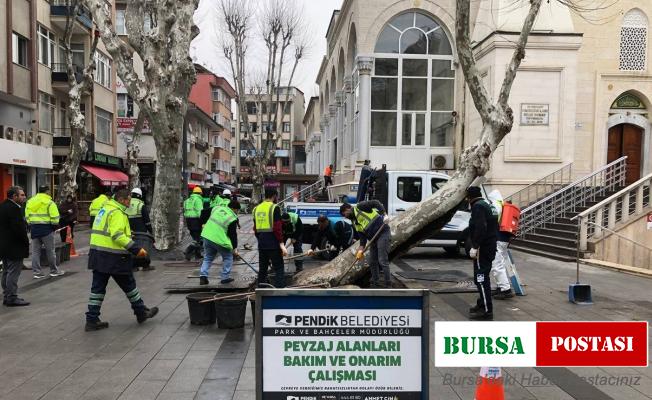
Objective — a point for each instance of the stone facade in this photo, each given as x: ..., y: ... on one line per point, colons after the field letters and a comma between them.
x: 563, y: 96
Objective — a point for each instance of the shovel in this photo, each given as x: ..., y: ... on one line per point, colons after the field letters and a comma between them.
x: 579, y: 293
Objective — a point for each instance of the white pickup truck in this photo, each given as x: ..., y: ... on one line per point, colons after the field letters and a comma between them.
x: 404, y: 190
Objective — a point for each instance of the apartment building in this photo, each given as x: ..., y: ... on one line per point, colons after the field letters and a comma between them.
x: 34, y: 89
x: 289, y: 150
x: 213, y: 95
x: 311, y: 121
x: 26, y: 156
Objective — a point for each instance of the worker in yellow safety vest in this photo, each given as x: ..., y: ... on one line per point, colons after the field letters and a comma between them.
x: 98, y: 203
x: 268, y: 228
x: 110, y: 257
x: 368, y: 217
x: 42, y: 216
x: 220, y: 236
x: 192, y: 209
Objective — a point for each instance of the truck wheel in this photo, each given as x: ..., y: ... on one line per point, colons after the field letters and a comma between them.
x: 452, y: 251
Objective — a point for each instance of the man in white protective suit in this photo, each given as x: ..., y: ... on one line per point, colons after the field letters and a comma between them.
x: 499, y: 265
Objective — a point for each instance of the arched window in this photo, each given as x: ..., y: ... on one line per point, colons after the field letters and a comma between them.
x: 633, y: 41
x: 412, y: 87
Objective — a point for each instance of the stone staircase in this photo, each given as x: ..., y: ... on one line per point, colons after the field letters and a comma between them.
x: 547, y: 226
x: 556, y: 240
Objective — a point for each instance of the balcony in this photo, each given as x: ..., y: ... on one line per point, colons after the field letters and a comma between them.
x: 59, y: 11
x: 201, y: 146
x: 61, y: 138
x: 59, y: 76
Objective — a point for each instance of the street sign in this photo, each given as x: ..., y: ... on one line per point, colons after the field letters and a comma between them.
x: 341, y: 344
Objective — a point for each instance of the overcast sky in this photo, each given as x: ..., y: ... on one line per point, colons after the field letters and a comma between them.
x: 206, y: 49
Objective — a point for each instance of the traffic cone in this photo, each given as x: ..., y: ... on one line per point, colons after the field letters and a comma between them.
x: 491, y: 385
x: 73, y: 253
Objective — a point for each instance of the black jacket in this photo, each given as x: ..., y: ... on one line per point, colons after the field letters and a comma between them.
x: 142, y: 224
x: 14, y: 243
x: 340, y: 235
x: 483, y: 225
x: 293, y: 232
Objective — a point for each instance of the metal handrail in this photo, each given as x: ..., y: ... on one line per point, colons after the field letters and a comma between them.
x: 606, y: 210
x: 577, y: 194
x: 635, y: 243
x: 303, y: 193
x: 549, y: 183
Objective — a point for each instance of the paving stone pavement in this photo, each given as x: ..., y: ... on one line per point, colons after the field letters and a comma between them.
x: 45, y: 353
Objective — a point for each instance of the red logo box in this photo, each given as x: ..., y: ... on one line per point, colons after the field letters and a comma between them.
x: 592, y: 344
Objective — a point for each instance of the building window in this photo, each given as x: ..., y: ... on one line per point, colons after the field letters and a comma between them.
x: 46, y: 110
x: 104, y: 126
x: 633, y: 41
x: 285, y: 162
x: 102, y: 69
x: 78, y: 58
x: 285, y: 144
x: 120, y: 22
x: 286, y: 127
x: 412, y: 87
x: 46, y: 45
x: 125, y: 105
x: 20, y: 45
x: 251, y: 108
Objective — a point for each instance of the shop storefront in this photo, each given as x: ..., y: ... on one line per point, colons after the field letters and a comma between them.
x: 25, y: 165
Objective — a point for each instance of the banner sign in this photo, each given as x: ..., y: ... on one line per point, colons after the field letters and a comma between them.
x: 342, y: 344
x: 127, y: 125
x: 541, y: 344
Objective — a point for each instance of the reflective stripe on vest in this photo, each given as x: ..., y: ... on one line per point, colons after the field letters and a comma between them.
x: 135, y: 209
x: 97, y: 204
x: 101, y: 238
x: 192, y: 206
x: 364, y: 219
x: 264, y: 216
x: 38, y: 210
x: 217, y: 228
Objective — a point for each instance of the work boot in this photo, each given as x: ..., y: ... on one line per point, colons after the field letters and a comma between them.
x: 17, y: 302
x: 147, y: 314
x: 203, y: 280
x: 475, y: 309
x: 504, y: 295
x: 481, y: 316
x: 148, y: 268
x: 226, y: 281
x: 95, y: 325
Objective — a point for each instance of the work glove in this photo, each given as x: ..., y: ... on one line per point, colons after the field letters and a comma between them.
x: 359, y: 255
x: 473, y: 253
x: 385, y: 218
x: 284, y: 250
x: 235, y: 253
x: 142, y: 253
x: 311, y: 252
x: 333, y: 248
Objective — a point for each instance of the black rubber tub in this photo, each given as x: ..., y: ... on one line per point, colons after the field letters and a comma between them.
x: 201, y: 313
x: 231, y: 313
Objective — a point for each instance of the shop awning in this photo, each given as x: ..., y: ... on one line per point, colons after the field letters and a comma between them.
x: 107, y: 177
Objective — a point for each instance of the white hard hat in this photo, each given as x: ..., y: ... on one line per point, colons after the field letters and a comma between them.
x: 137, y: 191
x: 226, y: 192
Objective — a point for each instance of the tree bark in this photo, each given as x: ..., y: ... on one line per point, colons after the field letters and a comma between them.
x: 417, y: 223
x: 133, y: 151
x: 76, y: 120
x: 161, y: 94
